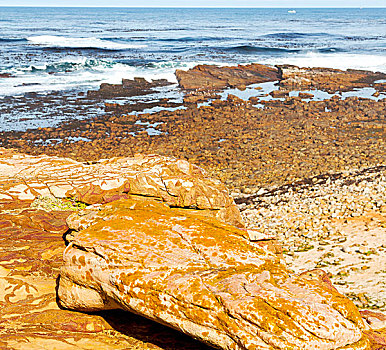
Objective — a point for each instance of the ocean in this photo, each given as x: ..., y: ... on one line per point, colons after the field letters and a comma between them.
x: 58, y: 49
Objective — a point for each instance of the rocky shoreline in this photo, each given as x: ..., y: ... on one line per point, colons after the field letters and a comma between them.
x: 308, y: 175
x: 335, y: 222
x: 248, y: 142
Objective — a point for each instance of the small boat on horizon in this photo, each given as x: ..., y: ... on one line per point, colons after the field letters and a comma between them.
x: 291, y: 11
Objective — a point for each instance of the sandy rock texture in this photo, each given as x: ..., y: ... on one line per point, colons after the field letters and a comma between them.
x: 32, y: 225
x: 202, y: 277
x: 31, y: 250
x: 176, y: 182
x: 327, y: 79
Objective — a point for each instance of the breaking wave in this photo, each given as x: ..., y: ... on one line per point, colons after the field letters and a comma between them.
x: 52, y: 41
x: 84, y: 73
x: 250, y: 49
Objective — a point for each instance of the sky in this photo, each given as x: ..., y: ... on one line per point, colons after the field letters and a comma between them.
x: 198, y: 3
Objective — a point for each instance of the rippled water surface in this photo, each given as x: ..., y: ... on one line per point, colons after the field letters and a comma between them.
x: 45, y: 49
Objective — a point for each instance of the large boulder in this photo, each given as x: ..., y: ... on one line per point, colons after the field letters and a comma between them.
x: 202, y: 277
x: 210, y: 77
x: 36, y: 197
x: 31, y: 250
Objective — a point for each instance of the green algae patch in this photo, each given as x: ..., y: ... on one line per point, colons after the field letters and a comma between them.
x: 51, y: 203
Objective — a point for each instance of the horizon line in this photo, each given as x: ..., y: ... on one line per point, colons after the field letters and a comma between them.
x: 203, y: 7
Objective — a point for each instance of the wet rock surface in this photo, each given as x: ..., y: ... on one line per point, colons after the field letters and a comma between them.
x: 129, y: 87
x: 327, y: 79
x: 247, y: 142
x: 243, y: 145
x: 208, y: 77
x: 32, y: 225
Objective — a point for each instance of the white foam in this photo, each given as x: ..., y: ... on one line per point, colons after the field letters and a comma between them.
x: 61, y: 41
x: 85, y: 74
x: 374, y: 63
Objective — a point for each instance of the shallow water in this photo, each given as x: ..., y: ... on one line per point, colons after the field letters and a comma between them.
x: 71, y: 50
x: 20, y: 114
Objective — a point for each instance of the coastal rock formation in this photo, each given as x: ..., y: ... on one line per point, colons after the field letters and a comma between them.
x: 173, y: 181
x: 328, y: 79
x: 238, y: 270
x: 31, y: 246
x: 278, y: 152
x: 202, y: 277
x: 129, y: 87
x: 210, y: 77
x: 31, y: 250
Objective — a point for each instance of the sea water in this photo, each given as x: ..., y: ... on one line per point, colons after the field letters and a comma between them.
x: 58, y: 49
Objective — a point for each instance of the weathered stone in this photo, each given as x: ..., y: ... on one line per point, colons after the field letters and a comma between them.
x: 376, y: 320
x: 210, y: 77
x: 377, y: 334
x: 31, y: 250
x: 327, y: 79
x: 202, y: 277
x: 30, y: 318
x: 279, y: 93
x: 176, y: 182
x: 135, y: 87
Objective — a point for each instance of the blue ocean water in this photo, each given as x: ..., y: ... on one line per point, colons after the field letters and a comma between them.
x: 49, y: 49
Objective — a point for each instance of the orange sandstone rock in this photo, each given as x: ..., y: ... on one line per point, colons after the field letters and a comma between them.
x: 30, y: 258
x: 31, y: 249
x: 202, y: 277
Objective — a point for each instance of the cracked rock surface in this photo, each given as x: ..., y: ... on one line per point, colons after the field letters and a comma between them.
x: 145, y: 237
x: 202, y: 277
x: 37, y: 194
x: 173, y: 181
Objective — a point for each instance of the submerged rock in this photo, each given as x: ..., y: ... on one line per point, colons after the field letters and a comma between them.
x: 202, y: 277
x: 128, y: 88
